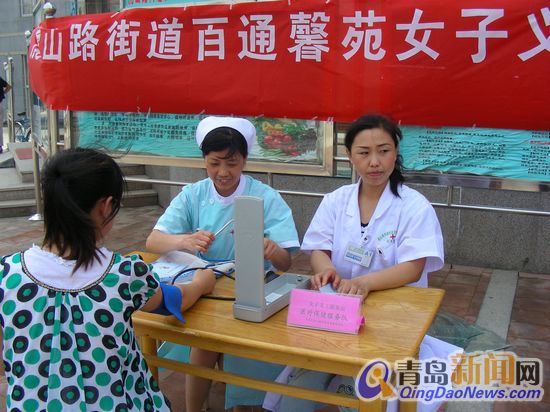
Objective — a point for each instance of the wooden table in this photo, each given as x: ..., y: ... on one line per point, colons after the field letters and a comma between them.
x: 396, y: 321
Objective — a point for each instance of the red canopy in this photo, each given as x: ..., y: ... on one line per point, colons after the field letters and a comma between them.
x: 424, y: 62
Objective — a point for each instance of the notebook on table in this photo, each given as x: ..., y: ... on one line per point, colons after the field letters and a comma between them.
x: 256, y: 300
x: 174, y: 263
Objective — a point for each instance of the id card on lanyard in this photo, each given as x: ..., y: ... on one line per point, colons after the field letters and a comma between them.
x: 359, y: 254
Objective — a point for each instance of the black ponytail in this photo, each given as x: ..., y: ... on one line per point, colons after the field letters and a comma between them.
x: 73, y: 181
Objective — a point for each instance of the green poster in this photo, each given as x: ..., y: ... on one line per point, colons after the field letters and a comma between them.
x: 515, y: 154
x: 173, y: 135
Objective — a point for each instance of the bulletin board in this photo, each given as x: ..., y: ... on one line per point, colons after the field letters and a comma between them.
x: 288, y: 146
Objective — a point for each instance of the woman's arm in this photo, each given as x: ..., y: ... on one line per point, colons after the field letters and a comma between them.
x: 279, y: 257
x: 392, y: 277
x: 160, y: 242
x: 202, y: 284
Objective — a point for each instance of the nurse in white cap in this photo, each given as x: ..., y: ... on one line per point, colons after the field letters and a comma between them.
x: 203, y: 208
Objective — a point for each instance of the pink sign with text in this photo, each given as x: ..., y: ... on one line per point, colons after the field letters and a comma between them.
x: 333, y: 312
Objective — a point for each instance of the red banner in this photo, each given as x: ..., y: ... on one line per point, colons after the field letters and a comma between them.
x: 424, y: 62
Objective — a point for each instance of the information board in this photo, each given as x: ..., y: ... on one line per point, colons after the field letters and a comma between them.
x: 173, y: 135
x: 517, y: 154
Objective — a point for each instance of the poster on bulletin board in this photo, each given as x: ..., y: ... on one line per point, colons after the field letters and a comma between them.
x: 292, y: 142
x: 512, y: 154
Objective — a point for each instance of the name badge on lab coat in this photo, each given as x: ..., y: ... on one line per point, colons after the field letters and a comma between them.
x: 358, y: 255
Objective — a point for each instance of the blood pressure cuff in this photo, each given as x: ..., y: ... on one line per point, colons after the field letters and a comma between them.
x: 171, y: 302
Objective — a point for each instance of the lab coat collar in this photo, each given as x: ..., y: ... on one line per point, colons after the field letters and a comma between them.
x: 353, y: 200
x: 384, y: 202
x: 231, y: 198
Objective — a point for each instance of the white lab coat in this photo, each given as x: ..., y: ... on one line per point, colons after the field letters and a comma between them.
x: 401, y: 229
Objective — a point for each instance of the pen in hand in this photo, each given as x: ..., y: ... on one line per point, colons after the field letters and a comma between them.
x: 224, y: 227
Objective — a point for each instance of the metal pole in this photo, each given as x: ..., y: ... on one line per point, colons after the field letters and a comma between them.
x: 28, y: 108
x: 5, y: 67
x: 67, y: 130
x: 526, y: 212
x: 8, y: 66
x: 450, y: 190
x: 37, y: 189
x: 38, y: 216
x: 28, y: 92
x: 53, y: 128
x: 448, y: 205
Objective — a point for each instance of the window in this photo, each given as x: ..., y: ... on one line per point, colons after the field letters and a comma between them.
x: 102, y: 6
x: 26, y: 7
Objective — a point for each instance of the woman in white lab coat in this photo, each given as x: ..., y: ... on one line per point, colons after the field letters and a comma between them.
x: 377, y: 233
x: 373, y: 235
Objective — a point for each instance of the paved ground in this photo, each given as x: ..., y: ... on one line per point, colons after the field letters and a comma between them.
x: 529, y: 331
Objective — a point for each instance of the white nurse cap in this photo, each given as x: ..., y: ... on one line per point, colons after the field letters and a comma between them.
x: 243, y: 126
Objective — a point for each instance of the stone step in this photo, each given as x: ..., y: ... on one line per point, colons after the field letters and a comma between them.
x: 26, y: 176
x: 27, y: 207
x: 26, y: 190
x: 22, y: 156
x: 16, y: 208
x: 136, y: 198
x: 6, y: 160
x: 17, y: 184
x: 19, y: 192
x: 11, y: 187
x: 24, y: 163
x: 132, y: 169
x: 139, y: 185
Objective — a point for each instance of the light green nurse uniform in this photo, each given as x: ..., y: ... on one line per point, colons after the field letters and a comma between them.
x: 199, y: 206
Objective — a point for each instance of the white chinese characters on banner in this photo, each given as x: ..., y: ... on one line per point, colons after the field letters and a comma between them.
x: 482, y: 34
x: 259, y: 41
x: 165, y: 39
x: 422, y: 45
x: 82, y: 43
x: 52, y: 45
x: 122, y: 40
x: 544, y: 42
x: 211, y: 40
x: 370, y: 38
x: 308, y: 33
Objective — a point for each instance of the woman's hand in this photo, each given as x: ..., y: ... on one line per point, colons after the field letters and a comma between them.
x: 200, y: 241
x: 270, y: 248
x: 350, y: 287
x: 326, y: 276
x: 279, y: 257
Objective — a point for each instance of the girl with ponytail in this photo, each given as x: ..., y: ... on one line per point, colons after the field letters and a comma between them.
x: 66, y: 307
